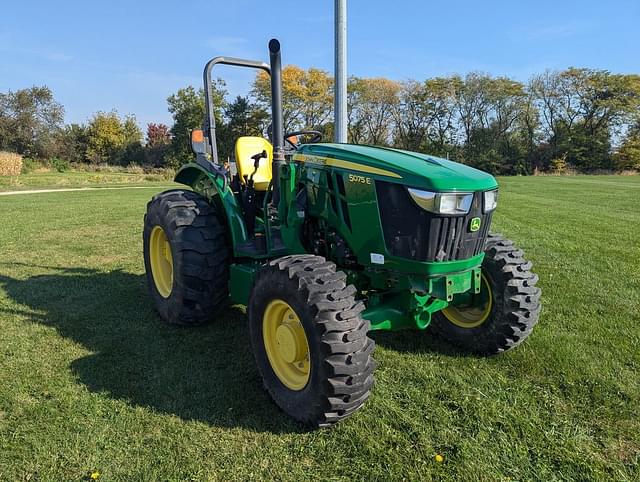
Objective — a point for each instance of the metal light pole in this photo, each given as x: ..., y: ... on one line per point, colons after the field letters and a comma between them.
x: 340, y: 74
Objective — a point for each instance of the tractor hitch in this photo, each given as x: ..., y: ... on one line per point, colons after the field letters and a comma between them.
x: 404, y: 310
x: 413, y: 307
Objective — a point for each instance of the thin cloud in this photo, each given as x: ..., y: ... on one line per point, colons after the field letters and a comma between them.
x: 56, y: 56
x: 227, y: 43
x: 231, y: 46
x: 550, y: 31
x: 315, y: 19
x: 44, y: 53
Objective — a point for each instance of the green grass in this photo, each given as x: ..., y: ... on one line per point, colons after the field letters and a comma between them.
x: 91, y: 379
x: 51, y: 179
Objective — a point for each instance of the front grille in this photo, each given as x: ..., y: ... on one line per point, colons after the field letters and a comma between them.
x: 411, y: 232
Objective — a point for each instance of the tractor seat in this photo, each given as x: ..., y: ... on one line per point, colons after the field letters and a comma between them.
x: 246, y: 147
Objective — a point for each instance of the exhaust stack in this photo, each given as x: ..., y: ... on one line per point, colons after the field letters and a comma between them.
x: 276, y: 117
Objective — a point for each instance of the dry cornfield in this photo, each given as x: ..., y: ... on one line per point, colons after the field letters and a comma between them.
x: 10, y: 163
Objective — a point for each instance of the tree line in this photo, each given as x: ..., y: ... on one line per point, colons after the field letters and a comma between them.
x: 582, y: 119
x: 32, y: 125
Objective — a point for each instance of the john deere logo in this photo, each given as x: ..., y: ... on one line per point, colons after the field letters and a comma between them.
x: 475, y: 225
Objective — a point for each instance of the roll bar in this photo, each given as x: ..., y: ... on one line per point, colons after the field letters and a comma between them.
x: 210, y: 120
x: 275, y: 72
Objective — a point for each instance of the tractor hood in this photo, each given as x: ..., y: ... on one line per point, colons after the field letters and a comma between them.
x: 395, y: 165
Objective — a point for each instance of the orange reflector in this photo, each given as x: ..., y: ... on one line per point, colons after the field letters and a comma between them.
x: 197, y: 136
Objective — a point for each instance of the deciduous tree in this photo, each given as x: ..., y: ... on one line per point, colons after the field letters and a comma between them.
x: 241, y: 118
x: 29, y: 121
x: 112, y: 140
x: 307, y: 96
x: 371, y: 104
x: 188, y: 110
x: 582, y: 109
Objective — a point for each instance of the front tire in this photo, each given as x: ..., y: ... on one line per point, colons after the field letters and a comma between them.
x: 309, y: 340
x: 504, y: 313
x: 185, y: 257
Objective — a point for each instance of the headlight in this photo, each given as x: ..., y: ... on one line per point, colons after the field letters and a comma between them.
x: 490, y: 200
x: 442, y: 202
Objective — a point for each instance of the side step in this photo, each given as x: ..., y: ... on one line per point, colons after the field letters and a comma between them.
x: 257, y: 247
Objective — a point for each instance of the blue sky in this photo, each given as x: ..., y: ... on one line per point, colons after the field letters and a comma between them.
x: 130, y: 56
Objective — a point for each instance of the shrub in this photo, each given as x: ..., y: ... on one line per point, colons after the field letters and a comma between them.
x: 628, y: 156
x: 173, y: 161
x: 132, y: 153
x: 29, y: 165
x: 60, y: 165
x: 10, y: 164
x: 134, y: 169
x: 559, y: 165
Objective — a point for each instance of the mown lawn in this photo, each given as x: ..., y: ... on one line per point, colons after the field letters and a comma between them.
x: 91, y: 379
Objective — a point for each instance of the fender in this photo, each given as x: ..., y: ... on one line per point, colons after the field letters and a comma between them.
x: 219, y: 194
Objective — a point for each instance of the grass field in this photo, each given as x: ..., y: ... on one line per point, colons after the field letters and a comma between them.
x: 91, y: 379
x: 52, y: 179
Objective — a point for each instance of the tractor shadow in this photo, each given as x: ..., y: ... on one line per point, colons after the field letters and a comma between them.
x: 204, y: 374
x: 419, y: 341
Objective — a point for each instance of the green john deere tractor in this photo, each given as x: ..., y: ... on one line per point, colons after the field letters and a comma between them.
x: 326, y: 242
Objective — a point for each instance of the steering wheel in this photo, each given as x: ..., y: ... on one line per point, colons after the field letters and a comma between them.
x: 317, y: 137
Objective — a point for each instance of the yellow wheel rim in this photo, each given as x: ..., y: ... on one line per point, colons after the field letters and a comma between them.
x: 472, y: 316
x: 286, y: 344
x: 161, y: 261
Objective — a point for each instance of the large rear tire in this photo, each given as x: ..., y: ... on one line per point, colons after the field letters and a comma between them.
x: 309, y: 340
x: 185, y: 257
x: 506, y: 310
